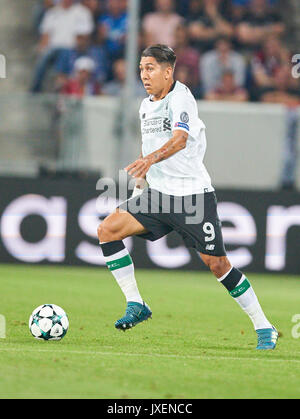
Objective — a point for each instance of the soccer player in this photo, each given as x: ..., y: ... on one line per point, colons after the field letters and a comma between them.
x: 173, y: 147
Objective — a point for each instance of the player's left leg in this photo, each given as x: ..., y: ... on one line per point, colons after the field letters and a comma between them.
x: 111, y: 232
x: 241, y: 290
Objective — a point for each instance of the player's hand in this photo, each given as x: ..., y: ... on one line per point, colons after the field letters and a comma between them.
x: 139, y: 168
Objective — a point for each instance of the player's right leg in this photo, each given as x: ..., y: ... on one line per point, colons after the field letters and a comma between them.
x: 111, y: 232
x: 241, y: 290
x: 207, y: 238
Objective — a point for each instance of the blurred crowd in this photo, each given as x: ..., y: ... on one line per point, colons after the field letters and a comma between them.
x: 226, y: 49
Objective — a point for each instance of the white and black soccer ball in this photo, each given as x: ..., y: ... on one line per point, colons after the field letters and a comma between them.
x: 48, y: 322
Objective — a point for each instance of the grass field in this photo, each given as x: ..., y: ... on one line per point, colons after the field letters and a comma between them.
x: 199, y: 343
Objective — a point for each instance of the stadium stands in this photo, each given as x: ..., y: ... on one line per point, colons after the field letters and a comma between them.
x: 256, y: 35
x: 217, y: 58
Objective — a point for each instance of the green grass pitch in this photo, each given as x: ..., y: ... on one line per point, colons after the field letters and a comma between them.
x: 199, y: 343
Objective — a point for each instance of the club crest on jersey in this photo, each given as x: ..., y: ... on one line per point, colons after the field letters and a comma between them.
x: 184, y: 117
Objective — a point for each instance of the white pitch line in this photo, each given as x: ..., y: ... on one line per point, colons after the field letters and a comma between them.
x: 174, y: 356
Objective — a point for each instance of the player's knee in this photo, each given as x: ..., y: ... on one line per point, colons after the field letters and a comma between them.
x: 107, y: 232
x: 101, y: 232
x: 219, y: 266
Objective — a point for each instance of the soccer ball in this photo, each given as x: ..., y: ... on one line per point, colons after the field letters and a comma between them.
x: 48, y: 322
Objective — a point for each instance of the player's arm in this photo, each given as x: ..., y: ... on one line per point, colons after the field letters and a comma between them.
x: 140, y: 167
x: 140, y: 183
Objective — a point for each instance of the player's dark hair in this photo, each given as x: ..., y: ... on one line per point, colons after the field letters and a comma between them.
x: 162, y: 54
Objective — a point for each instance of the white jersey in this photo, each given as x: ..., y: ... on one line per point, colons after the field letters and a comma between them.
x: 183, y: 173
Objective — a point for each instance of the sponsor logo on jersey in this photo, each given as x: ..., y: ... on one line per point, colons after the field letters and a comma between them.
x: 182, y: 125
x: 167, y: 124
x: 156, y: 125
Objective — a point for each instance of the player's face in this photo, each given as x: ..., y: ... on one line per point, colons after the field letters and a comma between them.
x: 155, y: 76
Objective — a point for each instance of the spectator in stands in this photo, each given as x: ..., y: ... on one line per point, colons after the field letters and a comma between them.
x: 95, y: 7
x: 195, y: 11
x: 182, y: 7
x: 115, y: 87
x: 58, y: 32
x: 187, y: 56
x: 160, y: 26
x: 228, y: 90
x: 208, y: 23
x: 183, y: 75
x: 59, y: 25
x: 238, y: 9
x: 112, y: 28
x: 268, y: 60
x: 65, y: 64
x: 39, y: 10
x: 285, y: 89
x: 215, y: 62
x: 83, y: 83
x: 146, y: 7
x: 246, y: 3
x: 257, y: 24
